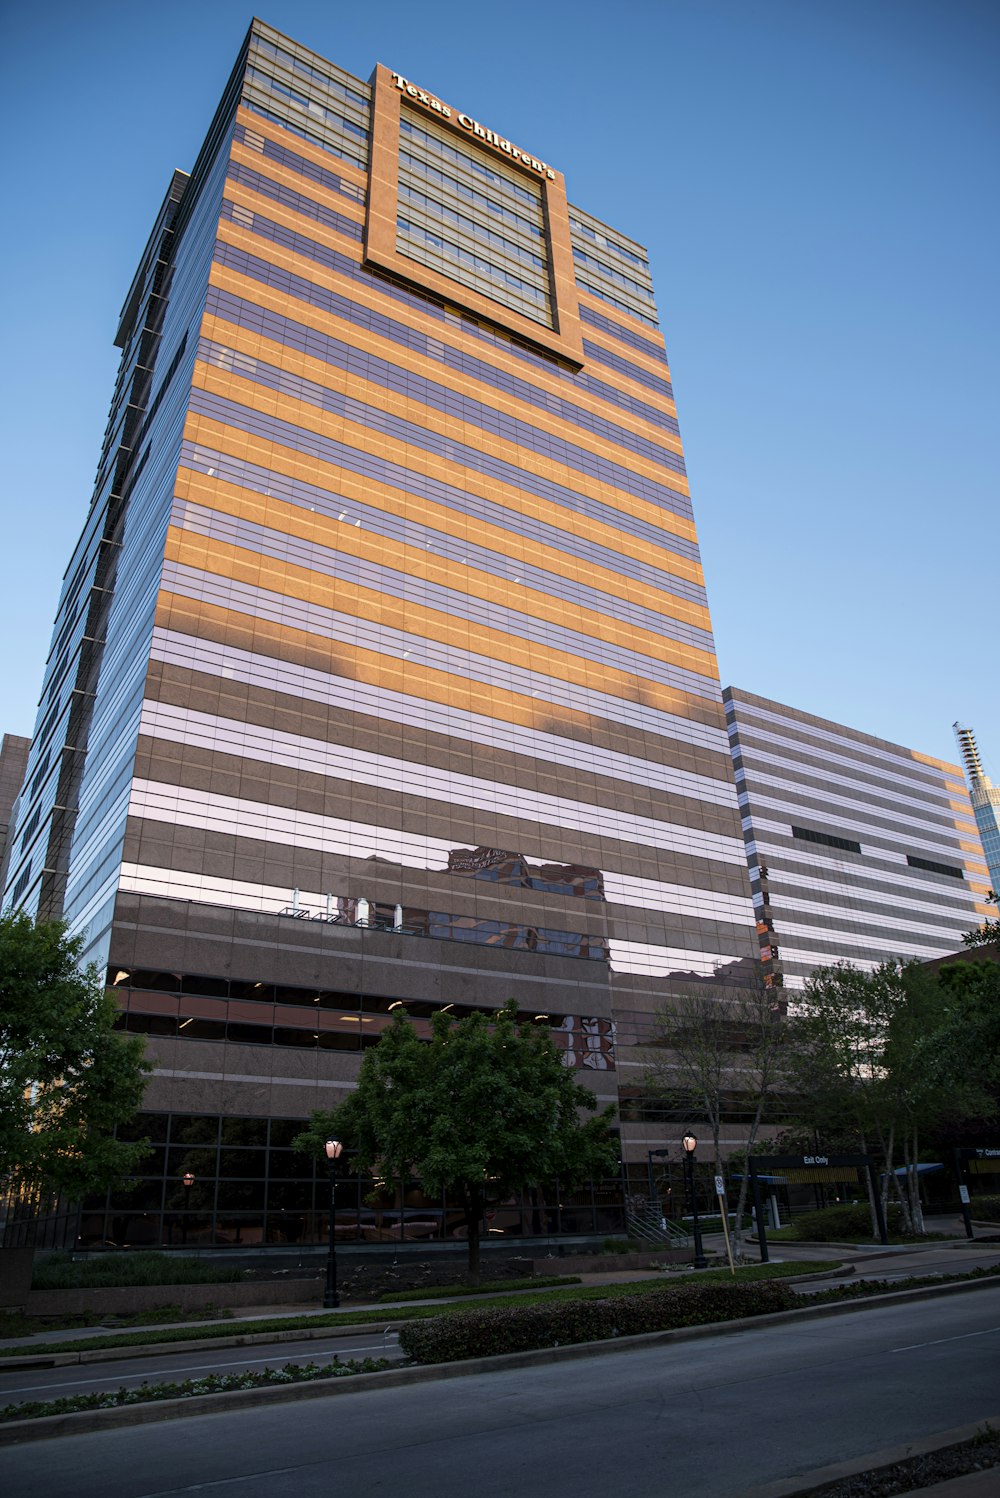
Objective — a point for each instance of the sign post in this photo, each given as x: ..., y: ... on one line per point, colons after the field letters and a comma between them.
x: 720, y: 1191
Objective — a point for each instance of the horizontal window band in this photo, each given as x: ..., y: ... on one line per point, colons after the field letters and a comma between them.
x: 361, y: 611
x: 318, y: 296
x: 305, y: 440
x: 825, y: 739
x: 258, y: 103
x: 286, y: 197
x: 321, y: 759
x: 879, y: 858
x: 809, y: 804
x: 624, y: 335
x: 786, y: 890
x: 813, y: 776
x: 439, y: 397
x: 503, y: 804
x: 827, y: 946
x: 371, y: 367
x: 201, y: 654
x: 301, y: 165
x: 666, y: 604
x: 603, y: 470
x: 409, y: 573
x: 442, y: 670
x: 867, y: 823
x: 531, y: 877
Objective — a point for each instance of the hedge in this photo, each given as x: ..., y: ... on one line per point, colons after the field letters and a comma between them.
x: 985, y: 1208
x: 847, y: 1222
x: 516, y: 1328
x: 60, y: 1271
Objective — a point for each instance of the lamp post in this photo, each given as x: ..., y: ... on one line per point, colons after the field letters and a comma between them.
x: 187, y: 1180
x: 334, y: 1150
x: 690, y: 1144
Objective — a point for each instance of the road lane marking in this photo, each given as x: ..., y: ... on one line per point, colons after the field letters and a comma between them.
x: 939, y: 1340
x: 191, y: 1368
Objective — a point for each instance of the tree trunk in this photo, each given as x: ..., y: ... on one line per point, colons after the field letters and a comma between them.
x: 913, y: 1182
x: 742, y: 1198
x: 868, y: 1188
x: 472, y: 1206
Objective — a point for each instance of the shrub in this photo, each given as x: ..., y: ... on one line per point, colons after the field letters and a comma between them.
x: 831, y: 1223
x: 61, y: 1272
x: 516, y: 1328
x: 985, y: 1208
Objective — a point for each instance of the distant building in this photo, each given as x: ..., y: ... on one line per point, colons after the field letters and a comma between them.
x: 859, y: 849
x: 13, y: 762
x: 985, y: 798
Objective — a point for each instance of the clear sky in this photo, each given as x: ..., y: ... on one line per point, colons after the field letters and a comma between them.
x: 817, y: 181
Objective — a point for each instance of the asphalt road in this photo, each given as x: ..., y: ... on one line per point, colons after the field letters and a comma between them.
x: 704, y: 1419
x: 159, y: 1367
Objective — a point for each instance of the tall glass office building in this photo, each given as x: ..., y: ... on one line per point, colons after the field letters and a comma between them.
x: 985, y: 797
x: 383, y: 672
x: 859, y: 850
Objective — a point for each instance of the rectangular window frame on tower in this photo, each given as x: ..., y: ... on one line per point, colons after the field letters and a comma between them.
x: 564, y: 339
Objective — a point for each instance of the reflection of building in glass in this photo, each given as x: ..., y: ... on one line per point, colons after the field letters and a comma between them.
x: 512, y: 868
x: 985, y: 797
x: 383, y: 667
x: 858, y: 849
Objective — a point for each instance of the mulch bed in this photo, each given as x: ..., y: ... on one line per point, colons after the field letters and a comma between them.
x: 977, y: 1455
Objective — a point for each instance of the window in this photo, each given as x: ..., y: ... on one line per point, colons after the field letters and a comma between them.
x: 825, y: 838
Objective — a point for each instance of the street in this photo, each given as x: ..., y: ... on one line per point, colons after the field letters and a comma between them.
x: 703, y: 1419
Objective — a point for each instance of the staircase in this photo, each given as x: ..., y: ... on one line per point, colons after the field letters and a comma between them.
x: 646, y: 1222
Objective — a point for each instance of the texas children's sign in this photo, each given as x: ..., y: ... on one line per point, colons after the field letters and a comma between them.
x: 473, y: 126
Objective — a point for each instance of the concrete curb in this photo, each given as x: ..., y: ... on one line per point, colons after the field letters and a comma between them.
x: 42, y: 1359
x: 807, y: 1482
x: 82, y: 1422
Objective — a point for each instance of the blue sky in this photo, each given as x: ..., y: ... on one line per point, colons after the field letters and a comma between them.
x: 816, y: 181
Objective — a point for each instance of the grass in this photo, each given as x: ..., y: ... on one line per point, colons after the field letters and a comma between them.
x: 408, y: 1313
x: 16, y: 1324
x: 792, y: 1235
x: 763, y: 1271
x: 489, y: 1287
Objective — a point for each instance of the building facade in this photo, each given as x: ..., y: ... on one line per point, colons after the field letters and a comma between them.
x: 13, y: 759
x: 383, y: 672
x: 859, y: 850
x: 985, y: 797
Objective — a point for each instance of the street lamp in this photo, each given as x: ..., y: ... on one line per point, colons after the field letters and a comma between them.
x: 690, y: 1144
x: 334, y: 1150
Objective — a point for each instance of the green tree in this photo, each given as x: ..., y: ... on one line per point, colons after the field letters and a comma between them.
x: 66, y: 1077
x: 888, y: 1052
x: 988, y: 934
x: 484, y: 1110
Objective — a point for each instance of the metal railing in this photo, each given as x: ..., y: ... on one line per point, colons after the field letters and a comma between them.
x: 646, y: 1222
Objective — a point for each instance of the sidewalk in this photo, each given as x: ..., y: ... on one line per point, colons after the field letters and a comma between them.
x: 315, y: 1309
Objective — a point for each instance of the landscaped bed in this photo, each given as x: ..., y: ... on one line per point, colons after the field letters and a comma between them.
x: 111, y: 1270
x: 189, y: 1388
